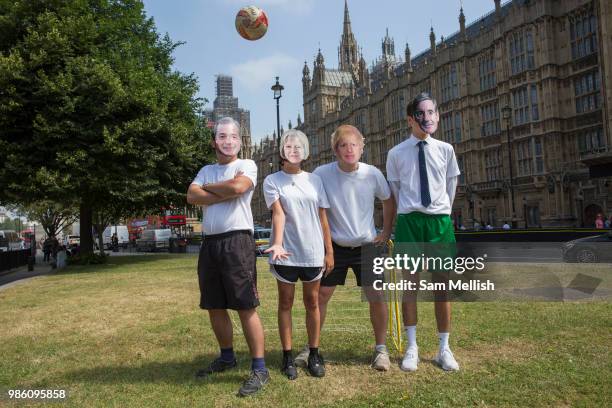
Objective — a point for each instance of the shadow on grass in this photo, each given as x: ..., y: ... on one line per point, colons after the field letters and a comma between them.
x: 183, y: 372
x: 123, y: 261
x: 171, y: 372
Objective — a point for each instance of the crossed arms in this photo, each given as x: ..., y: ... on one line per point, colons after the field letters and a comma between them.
x: 214, y: 193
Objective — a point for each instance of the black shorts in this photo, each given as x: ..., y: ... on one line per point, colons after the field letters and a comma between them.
x: 359, y: 259
x: 227, y: 271
x: 290, y: 274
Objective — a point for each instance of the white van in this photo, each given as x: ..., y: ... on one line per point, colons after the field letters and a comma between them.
x: 154, y: 240
x: 123, y: 235
x: 9, y: 241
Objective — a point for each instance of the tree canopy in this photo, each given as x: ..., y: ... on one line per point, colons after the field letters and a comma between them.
x: 91, y: 110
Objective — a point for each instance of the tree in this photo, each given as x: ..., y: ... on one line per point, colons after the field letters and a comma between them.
x: 91, y: 110
x: 52, y: 216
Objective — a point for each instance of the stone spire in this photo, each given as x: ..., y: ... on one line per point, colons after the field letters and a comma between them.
x: 408, y: 58
x: 347, y: 52
x: 462, y: 23
x: 388, y: 46
x: 319, y: 68
x: 305, y: 78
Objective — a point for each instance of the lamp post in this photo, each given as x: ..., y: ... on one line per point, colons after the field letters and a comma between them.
x: 506, y: 113
x: 525, y: 212
x: 278, y: 93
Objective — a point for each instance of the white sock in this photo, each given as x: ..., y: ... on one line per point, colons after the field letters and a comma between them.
x: 443, y: 341
x: 411, y: 335
x: 381, y: 348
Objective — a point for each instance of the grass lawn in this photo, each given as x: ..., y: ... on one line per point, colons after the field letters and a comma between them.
x: 130, y: 333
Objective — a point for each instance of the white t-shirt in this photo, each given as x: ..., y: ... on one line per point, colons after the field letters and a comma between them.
x: 403, y: 166
x: 230, y: 215
x: 301, y: 195
x: 351, y: 197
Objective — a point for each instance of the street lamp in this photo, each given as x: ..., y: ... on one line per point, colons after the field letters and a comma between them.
x: 506, y: 114
x: 278, y: 93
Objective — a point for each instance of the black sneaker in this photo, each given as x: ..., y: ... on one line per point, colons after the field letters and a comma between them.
x: 216, y: 366
x: 316, y: 365
x: 289, y: 368
x: 254, y: 383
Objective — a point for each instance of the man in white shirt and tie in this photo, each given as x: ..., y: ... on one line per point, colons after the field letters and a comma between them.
x: 422, y: 174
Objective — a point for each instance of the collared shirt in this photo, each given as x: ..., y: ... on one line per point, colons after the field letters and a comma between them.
x: 230, y: 215
x: 442, y: 168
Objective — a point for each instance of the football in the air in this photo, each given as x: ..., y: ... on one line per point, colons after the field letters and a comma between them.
x: 251, y: 23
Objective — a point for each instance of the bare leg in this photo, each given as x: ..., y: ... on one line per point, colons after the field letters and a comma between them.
x: 253, y: 331
x: 443, y: 316
x: 379, y: 313
x: 286, y: 293
x: 222, y: 327
x: 325, y: 294
x: 409, y: 301
x: 313, y: 318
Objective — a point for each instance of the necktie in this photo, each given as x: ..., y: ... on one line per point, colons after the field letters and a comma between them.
x: 425, y: 197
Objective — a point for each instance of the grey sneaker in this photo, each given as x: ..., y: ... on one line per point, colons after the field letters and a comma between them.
x: 381, y: 361
x: 301, y: 360
x: 254, y: 383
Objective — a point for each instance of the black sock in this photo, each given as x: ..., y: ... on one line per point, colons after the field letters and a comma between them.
x: 314, y: 351
x: 288, y: 354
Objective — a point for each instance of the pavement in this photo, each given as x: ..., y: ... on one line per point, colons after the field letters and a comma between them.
x: 10, y: 277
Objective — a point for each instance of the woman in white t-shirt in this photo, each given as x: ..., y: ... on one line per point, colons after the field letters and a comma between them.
x: 301, y: 244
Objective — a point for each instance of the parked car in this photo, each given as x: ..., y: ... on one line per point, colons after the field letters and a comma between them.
x: 154, y: 240
x: 262, y: 240
x: 597, y: 248
x: 9, y: 241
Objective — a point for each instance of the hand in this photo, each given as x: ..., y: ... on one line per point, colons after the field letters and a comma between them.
x: 381, y: 239
x: 239, y: 173
x: 278, y: 252
x: 329, y: 263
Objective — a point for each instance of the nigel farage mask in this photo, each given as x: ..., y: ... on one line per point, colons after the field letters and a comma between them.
x: 228, y: 146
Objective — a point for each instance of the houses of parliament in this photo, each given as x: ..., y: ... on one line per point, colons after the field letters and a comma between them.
x: 524, y: 95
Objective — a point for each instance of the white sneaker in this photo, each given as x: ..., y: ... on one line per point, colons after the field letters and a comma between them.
x: 410, y: 360
x: 301, y: 360
x: 446, y: 360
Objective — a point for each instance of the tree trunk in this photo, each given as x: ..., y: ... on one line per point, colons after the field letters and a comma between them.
x: 86, y: 214
x: 100, y: 241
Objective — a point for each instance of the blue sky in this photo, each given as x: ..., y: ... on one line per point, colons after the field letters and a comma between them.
x: 297, y: 29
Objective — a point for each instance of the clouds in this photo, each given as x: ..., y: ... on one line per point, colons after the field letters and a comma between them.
x: 300, y: 7
x: 257, y: 75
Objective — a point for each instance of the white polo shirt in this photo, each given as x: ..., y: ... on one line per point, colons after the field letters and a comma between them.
x: 403, y: 166
x: 230, y: 215
x: 351, y: 198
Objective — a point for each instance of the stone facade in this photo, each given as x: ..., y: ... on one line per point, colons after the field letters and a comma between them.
x: 548, y: 62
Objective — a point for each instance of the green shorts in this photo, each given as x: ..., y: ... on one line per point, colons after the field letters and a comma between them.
x: 419, y: 227
x: 431, y: 236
